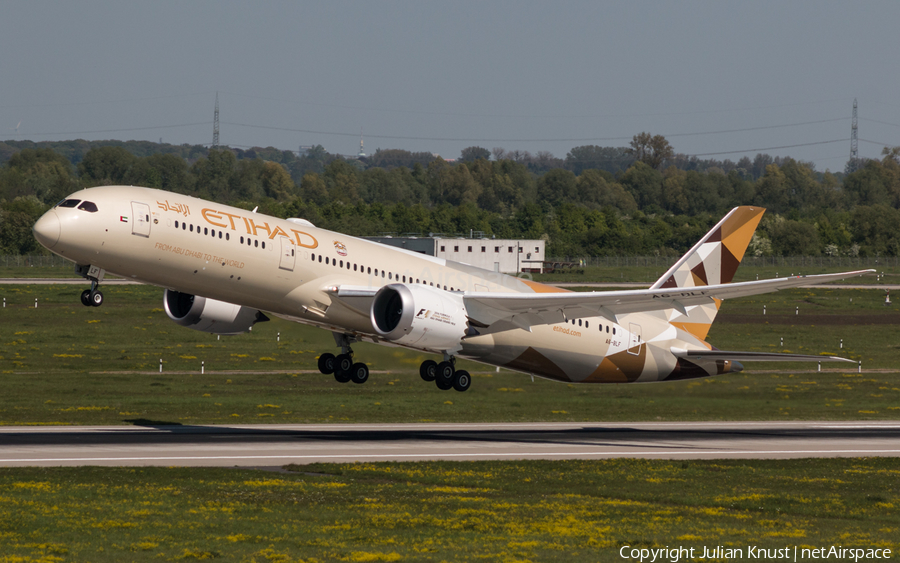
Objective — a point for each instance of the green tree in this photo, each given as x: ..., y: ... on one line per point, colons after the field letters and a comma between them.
x: 214, y: 175
x: 17, y: 217
x: 471, y: 154
x: 876, y: 228
x: 557, y: 186
x: 276, y: 182
x: 652, y: 150
x: 644, y: 183
x: 599, y: 188
x: 586, y: 157
x: 313, y: 189
x: 43, y: 173
x: 459, y: 186
x: 107, y: 166
x: 869, y: 185
x: 343, y: 181
x: 165, y: 172
x: 771, y: 190
x: 794, y: 238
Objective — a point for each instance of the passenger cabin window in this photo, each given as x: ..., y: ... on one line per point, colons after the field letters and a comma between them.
x: 68, y: 203
x: 88, y: 206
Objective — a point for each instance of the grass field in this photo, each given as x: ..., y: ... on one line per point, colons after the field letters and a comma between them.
x: 63, y: 363
x: 445, y: 511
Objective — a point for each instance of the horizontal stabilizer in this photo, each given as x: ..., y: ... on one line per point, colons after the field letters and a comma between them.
x: 752, y: 356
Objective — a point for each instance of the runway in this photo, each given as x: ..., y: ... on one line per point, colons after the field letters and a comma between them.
x: 152, y: 444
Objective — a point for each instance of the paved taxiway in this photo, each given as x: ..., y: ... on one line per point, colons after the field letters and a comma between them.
x: 275, y: 445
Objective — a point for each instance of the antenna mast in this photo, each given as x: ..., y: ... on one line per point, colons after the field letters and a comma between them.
x: 854, y: 141
x: 215, y: 143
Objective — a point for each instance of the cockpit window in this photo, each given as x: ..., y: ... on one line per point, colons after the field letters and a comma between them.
x: 89, y: 206
x: 68, y: 203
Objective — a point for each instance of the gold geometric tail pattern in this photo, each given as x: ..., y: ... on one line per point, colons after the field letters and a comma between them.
x: 712, y: 261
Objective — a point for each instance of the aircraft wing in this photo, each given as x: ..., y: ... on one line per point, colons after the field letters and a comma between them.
x: 356, y: 297
x: 495, y: 312
x: 752, y: 356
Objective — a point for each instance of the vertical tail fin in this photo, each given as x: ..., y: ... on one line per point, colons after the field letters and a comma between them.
x: 714, y: 260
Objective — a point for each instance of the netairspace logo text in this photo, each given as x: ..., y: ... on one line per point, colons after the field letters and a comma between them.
x: 789, y: 553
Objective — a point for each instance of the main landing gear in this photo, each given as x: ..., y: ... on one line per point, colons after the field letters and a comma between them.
x: 342, y: 365
x: 445, y: 375
x: 91, y: 297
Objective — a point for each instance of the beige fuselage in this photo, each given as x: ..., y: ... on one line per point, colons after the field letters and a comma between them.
x: 290, y: 268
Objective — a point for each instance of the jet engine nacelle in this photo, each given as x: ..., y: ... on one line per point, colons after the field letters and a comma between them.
x: 209, y: 315
x: 420, y: 316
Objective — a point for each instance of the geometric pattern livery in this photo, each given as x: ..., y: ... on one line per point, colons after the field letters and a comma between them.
x: 715, y: 259
x: 712, y: 261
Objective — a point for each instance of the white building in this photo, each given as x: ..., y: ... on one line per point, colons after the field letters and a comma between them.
x: 508, y: 256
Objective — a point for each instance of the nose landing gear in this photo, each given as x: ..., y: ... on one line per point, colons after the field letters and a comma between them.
x: 91, y: 297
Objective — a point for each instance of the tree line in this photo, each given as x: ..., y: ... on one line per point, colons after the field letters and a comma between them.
x: 643, y: 199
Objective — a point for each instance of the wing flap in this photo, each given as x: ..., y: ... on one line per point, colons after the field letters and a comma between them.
x: 752, y: 356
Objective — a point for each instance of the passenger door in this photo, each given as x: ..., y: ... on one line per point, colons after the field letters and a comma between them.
x: 634, y: 340
x: 140, y: 225
x: 288, y: 254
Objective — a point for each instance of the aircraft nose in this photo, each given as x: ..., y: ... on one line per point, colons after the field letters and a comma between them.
x: 46, y: 229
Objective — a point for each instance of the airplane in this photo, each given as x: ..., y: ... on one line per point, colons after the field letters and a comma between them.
x: 222, y: 266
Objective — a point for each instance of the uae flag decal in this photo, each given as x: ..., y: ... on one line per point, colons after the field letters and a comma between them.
x: 123, y: 218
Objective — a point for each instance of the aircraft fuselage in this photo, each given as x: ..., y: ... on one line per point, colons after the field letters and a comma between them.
x: 293, y: 269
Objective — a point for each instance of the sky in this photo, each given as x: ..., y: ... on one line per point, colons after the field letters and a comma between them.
x: 717, y: 79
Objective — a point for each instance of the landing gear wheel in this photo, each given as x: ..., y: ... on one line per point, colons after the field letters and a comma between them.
x: 86, y: 297
x: 359, y: 373
x: 326, y: 363
x: 462, y: 380
x: 428, y: 369
x: 444, y: 373
x: 343, y: 363
x: 95, y: 297
x: 443, y: 385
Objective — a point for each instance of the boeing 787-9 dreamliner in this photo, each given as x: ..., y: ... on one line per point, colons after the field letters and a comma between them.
x: 221, y: 267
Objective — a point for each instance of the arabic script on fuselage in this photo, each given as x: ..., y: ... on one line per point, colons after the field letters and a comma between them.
x: 176, y: 207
